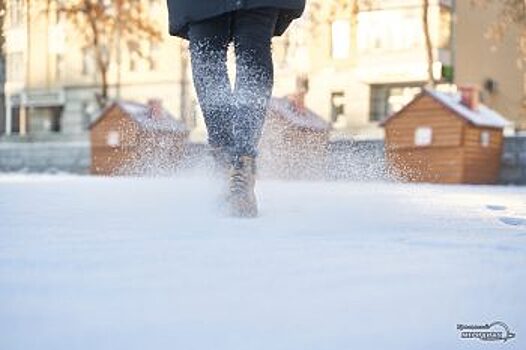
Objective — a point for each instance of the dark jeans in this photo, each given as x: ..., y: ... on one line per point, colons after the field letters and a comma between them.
x: 234, y: 117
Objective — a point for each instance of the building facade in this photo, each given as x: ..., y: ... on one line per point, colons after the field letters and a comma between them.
x: 52, y: 78
x: 2, y: 67
x: 362, y: 63
x: 365, y: 65
x: 2, y: 93
x: 497, y: 67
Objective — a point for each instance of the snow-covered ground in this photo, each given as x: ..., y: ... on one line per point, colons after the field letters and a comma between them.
x: 94, y: 263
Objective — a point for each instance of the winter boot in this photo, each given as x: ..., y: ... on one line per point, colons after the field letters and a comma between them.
x: 242, y: 198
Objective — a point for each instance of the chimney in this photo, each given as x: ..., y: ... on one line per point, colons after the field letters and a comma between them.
x: 298, y: 100
x: 156, y: 108
x: 470, y: 96
x: 302, y: 88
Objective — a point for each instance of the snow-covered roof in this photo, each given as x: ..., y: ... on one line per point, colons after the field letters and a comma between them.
x: 142, y: 114
x: 483, y: 116
x: 304, y: 118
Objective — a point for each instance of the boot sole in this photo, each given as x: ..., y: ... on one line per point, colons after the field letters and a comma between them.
x: 242, y: 208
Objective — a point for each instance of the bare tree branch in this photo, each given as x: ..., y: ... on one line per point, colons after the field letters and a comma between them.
x: 102, y: 24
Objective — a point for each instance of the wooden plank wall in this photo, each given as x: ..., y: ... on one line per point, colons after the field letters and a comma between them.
x: 456, y: 154
x: 442, y: 161
x: 482, y: 164
x: 436, y: 165
x: 447, y: 128
x: 158, y: 153
x: 106, y: 160
x: 114, y: 120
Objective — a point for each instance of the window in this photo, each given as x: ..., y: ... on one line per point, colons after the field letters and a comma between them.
x: 57, y: 38
x: 423, y: 136
x: 54, y: 124
x: 15, y: 120
x: 133, y: 60
x: 153, y: 56
x: 389, y: 99
x: 2, y: 122
x: 444, y: 39
x: 60, y: 16
x: 378, y: 108
x: 88, y: 109
x: 113, y: 138
x: 16, y: 13
x: 485, y: 138
x: 390, y: 29
x: 337, y: 105
x: 15, y: 66
x: 341, y: 39
x: 88, y: 62
x: 59, y: 67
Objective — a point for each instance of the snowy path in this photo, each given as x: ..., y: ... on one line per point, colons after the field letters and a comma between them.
x: 116, y: 264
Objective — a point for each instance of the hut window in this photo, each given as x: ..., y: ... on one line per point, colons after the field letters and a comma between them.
x: 485, y: 138
x: 113, y: 139
x: 423, y: 136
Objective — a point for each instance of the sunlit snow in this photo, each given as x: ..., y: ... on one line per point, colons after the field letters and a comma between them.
x: 99, y: 263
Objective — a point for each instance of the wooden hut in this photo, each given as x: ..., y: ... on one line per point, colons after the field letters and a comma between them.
x: 445, y: 138
x: 136, y: 139
x: 294, y: 141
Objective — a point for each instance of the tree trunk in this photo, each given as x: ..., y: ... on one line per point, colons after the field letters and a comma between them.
x: 429, y: 44
x: 104, y: 86
x: 102, y: 67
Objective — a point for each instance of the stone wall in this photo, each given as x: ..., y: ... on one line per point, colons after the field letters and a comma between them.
x: 357, y: 160
x: 348, y: 160
x: 514, y: 161
x: 45, y: 157
x: 365, y: 160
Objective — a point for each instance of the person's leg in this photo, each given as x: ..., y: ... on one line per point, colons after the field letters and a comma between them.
x: 209, y: 41
x: 252, y: 32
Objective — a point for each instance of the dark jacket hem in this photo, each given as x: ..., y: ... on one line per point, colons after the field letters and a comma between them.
x: 289, y: 10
